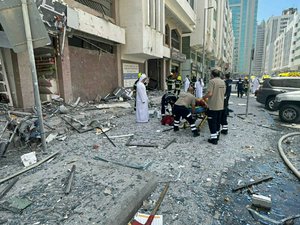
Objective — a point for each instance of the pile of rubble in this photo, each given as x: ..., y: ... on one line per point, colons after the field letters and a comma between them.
x: 22, y: 128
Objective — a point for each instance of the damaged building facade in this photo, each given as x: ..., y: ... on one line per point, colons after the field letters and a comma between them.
x: 82, y: 59
x: 99, y: 45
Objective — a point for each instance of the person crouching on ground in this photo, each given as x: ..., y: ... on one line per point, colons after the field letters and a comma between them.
x: 142, y: 114
x: 181, y: 109
x: 215, y: 94
x: 167, y: 100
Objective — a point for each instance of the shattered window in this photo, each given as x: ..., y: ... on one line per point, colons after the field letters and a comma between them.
x: 103, y: 6
x: 175, y: 39
x: 82, y: 42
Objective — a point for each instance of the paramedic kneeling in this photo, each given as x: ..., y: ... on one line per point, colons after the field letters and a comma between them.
x: 181, y: 109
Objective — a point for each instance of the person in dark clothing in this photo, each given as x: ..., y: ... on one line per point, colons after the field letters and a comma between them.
x: 178, y: 84
x: 215, y: 93
x: 181, y: 110
x: 170, y: 81
x: 225, y: 112
x: 166, y: 100
x: 228, y: 83
x: 240, y: 88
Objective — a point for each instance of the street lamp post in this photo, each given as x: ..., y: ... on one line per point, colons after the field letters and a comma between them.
x: 203, y: 44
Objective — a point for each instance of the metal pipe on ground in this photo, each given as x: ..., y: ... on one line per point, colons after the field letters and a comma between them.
x: 8, y: 187
x: 29, y: 167
x: 5, y: 146
x: 106, y: 136
x: 169, y: 143
x: 70, y: 180
x: 157, y: 205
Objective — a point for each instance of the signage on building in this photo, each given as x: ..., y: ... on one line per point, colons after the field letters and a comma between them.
x: 130, y: 73
x: 177, y: 56
x: 194, y: 66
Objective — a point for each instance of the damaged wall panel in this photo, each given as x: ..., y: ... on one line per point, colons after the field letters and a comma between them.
x: 93, y: 73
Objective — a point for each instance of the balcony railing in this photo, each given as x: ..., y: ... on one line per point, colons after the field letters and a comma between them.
x: 103, y: 6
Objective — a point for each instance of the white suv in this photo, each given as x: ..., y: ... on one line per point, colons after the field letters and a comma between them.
x: 288, y: 105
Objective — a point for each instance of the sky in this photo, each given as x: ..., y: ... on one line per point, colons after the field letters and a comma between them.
x: 268, y: 8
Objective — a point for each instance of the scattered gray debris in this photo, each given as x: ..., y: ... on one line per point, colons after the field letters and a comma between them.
x: 285, y: 221
x: 16, y: 204
x: 104, y: 188
x: 29, y: 167
x: 63, y: 109
x: 139, y: 167
x: 51, y: 137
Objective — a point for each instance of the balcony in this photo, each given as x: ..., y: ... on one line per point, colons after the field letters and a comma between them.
x: 182, y: 14
x: 82, y: 21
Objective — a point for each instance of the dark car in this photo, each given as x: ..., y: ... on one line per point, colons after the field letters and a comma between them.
x: 274, y: 86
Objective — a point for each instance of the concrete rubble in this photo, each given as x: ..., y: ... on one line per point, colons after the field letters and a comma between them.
x: 112, y: 182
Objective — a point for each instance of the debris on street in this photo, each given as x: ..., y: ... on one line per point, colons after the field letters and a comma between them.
x: 239, y: 187
x: 261, y: 201
x: 129, y: 163
x: 8, y: 187
x: 70, y: 180
x: 29, y: 159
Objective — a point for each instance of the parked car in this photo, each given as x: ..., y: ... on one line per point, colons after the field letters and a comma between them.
x: 288, y: 105
x: 274, y: 86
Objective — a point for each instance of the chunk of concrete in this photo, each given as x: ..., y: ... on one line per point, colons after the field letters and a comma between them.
x: 29, y: 159
x: 262, y: 201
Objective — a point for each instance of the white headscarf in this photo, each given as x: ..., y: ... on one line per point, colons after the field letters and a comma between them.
x: 142, y: 77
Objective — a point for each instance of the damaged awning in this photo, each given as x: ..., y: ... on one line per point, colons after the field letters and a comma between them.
x: 11, y: 19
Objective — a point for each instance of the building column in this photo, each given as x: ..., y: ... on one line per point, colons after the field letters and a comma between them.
x: 116, y: 7
x: 23, y: 80
x: 64, y: 73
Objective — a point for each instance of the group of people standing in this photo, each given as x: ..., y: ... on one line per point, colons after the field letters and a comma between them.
x: 174, y: 79
x: 242, y: 86
x: 216, y: 100
x: 183, y: 103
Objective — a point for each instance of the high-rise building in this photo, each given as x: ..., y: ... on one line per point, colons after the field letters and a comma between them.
x: 244, y: 14
x: 274, y: 27
x: 259, y: 49
x: 286, y: 46
x: 211, y: 43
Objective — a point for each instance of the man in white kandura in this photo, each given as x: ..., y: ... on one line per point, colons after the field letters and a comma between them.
x: 142, y: 114
x: 255, y: 85
x: 186, y: 84
x: 199, y: 88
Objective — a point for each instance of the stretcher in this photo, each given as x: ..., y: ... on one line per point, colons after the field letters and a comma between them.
x: 200, y: 113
